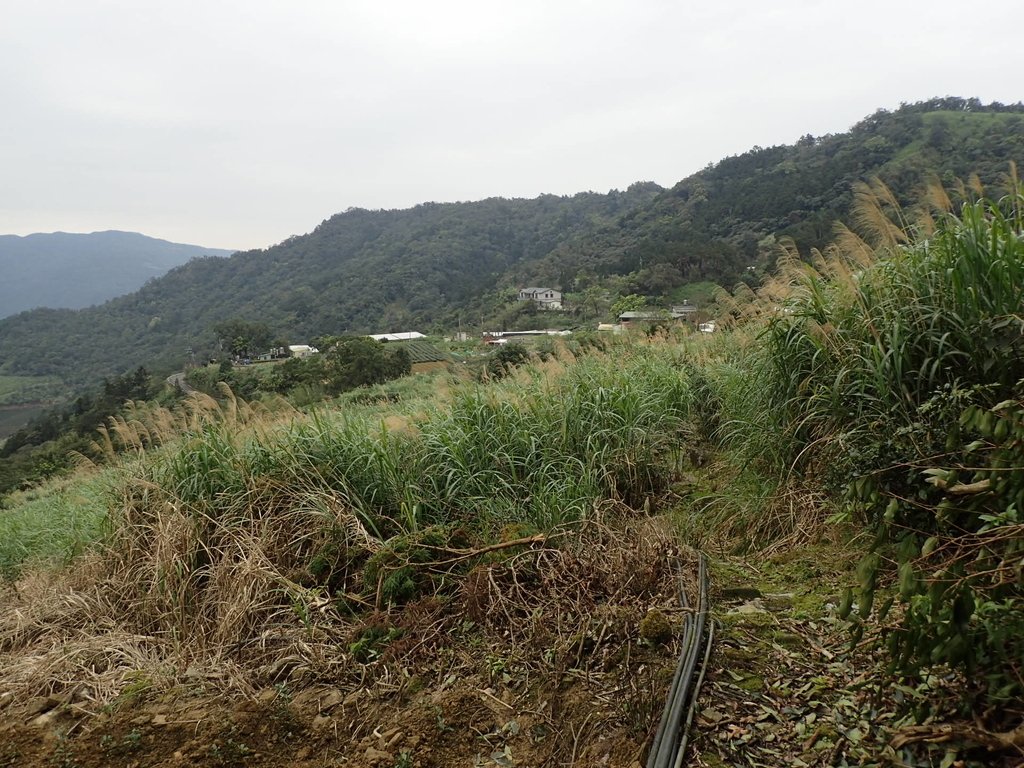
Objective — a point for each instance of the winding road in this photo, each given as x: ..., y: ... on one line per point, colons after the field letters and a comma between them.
x: 178, y: 380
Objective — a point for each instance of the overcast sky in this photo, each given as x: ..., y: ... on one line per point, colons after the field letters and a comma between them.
x: 238, y: 124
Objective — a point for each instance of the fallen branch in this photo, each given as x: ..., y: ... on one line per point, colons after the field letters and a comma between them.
x: 466, y: 555
x: 935, y: 734
x: 964, y: 489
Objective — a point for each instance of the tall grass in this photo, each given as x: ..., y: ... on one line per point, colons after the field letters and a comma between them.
x: 526, y: 450
x: 898, y: 384
x: 59, y: 519
x: 855, y: 349
x: 250, y: 537
x: 51, y: 524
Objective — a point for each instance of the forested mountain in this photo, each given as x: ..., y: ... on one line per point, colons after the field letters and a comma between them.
x: 358, y: 271
x: 72, y: 271
x: 431, y: 266
x: 714, y: 224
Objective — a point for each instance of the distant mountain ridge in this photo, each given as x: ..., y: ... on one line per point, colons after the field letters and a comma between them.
x: 439, y: 266
x: 62, y: 270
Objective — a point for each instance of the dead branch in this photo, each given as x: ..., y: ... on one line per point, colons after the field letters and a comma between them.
x: 936, y: 734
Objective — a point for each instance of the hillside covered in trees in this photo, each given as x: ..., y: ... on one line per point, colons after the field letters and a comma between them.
x: 72, y: 271
x: 437, y: 265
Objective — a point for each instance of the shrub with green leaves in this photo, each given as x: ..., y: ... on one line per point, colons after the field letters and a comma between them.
x: 506, y: 359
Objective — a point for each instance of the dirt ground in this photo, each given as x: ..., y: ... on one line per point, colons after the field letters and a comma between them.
x: 467, y: 722
x: 782, y: 688
x: 785, y: 687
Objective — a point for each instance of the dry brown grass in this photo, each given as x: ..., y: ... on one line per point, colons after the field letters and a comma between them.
x: 141, y: 614
x: 147, y: 425
x: 575, y: 591
x: 879, y: 223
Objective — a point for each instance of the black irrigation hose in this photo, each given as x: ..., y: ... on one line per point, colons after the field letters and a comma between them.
x: 670, y: 738
x: 672, y: 692
x: 693, y: 698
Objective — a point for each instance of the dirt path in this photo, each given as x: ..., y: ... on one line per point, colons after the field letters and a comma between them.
x: 785, y: 687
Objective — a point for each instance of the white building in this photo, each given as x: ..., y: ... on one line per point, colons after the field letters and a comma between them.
x: 302, y: 350
x: 401, y: 336
x: 545, y: 298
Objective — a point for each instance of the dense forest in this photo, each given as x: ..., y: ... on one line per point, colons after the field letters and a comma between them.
x: 717, y: 223
x: 438, y: 265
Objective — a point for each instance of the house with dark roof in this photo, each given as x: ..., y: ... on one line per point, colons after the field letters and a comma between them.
x: 685, y: 313
x: 626, y: 319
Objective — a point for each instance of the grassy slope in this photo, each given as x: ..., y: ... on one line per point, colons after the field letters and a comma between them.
x: 49, y: 525
x: 782, y: 687
x: 295, y: 510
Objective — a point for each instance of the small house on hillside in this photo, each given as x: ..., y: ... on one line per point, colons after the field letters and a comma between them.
x: 544, y: 298
x: 302, y: 351
x: 626, y: 319
x: 685, y: 313
x: 274, y: 353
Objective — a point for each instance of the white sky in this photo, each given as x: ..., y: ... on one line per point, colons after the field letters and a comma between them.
x: 235, y: 124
